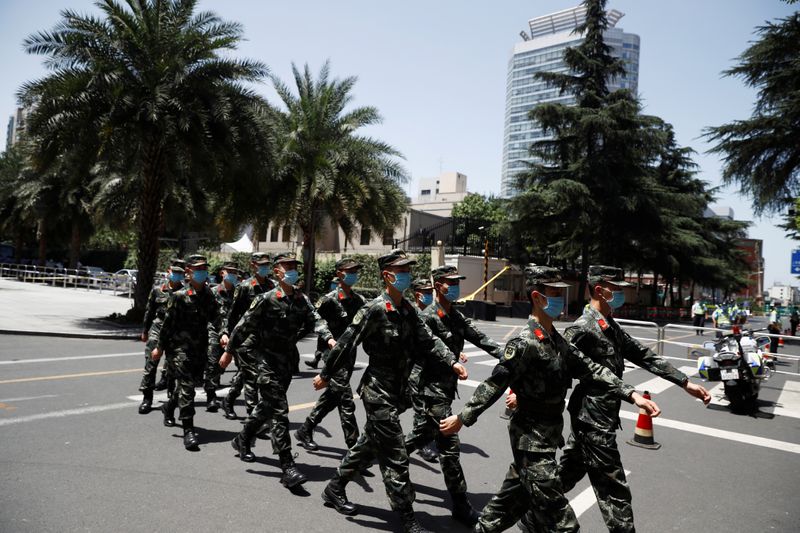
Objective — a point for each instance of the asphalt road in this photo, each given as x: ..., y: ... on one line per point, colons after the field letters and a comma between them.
x: 76, y: 456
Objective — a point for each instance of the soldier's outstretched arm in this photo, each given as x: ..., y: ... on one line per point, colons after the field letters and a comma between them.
x: 314, y: 322
x: 238, y: 307
x: 251, y: 321
x: 149, y: 313
x: 583, y: 368
x: 429, y: 345
x: 339, y: 354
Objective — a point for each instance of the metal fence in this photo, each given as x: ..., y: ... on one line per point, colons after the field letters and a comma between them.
x: 464, y: 236
x: 69, y: 278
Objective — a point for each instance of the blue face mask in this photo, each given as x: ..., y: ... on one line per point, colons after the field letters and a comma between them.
x: 617, y: 299
x: 200, y: 276
x: 453, y: 292
x: 555, y: 304
x: 176, y: 277
x: 290, y: 277
x: 233, y: 279
x: 263, y: 270
x: 427, y: 299
x: 350, y: 279
x: 402, y: 280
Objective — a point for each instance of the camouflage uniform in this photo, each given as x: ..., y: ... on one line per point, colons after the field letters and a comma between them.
x: 540, y: 368
x: 437, y: 389
x: 338, y: 311
x: 153, y: 318
x: 246, y: 363
x: 269, y: 331
x: 185, y: 332
x: 594, y: 414
x: 393, y: 337
x: 224, y: 300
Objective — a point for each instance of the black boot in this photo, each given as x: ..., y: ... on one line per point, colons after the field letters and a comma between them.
x: 463, y: 511
x: 292, y: 477
x: 242, y: 443
x: 227, y: 409
x: 147, y: 402
x: 162, y: 383
x: 335, y: 496
x: 189, y: 436
x: 429, y: 453
x: 169, y: 415
x: 305, y: 437
x: 527, y: 524
x: 314, y: 363
x: 212, y: 404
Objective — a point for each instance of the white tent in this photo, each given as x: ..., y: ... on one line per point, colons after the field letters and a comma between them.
x: 244, y: 244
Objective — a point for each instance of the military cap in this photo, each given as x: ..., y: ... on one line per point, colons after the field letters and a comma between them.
x: 260, y: 258
x: 396, y: 257
x: 446, y: 271
x: 196, y: 260
x: 543, y: 275
x: 600, y: 273
x: 177, y: 265
x: 347, y: 262
x: 421, y: 284
x: 286, y: 257
x: 230, y: 266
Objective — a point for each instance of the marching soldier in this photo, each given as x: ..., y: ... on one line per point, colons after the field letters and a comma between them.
x: 223, y: 293
x: 153, y: 318
x: 437, y: 386
x: 338, y: 308
x: 423, y: 293
x: 393, y: 336
x: 539, y: 365
x: 245, y: 376
x: 185, y: 333
x: 274, y: 323
x: 594, y: 413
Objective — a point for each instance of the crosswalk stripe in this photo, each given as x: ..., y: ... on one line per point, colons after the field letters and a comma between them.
x: 586, y: 499
x: 658, y: 385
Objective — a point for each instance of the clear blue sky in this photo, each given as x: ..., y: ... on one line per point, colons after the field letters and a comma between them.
x: 437, y: 71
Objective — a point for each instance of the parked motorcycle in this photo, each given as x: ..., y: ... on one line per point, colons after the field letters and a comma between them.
x: 739, y: 360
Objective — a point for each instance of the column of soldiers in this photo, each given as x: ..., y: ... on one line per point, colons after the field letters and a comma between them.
x: 416, y: 357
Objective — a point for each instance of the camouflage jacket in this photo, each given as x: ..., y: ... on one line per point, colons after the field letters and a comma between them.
x: 393, y: 338
x: 539, y: 367
x: 242, y: 298
x: 157, y: 305
x: 338, y: 310
x: 274, y: 323
x: 604, y: 342
x: 224, y: 299
x: 188, y: 314
x: 453, y: 328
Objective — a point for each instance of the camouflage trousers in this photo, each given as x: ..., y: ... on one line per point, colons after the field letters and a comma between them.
x: 244, y: 379
x: 594, y: 452
x: 382, y: 439
x: 213, y: 370
x: 274, y: 406
x: 426, y: 428
x: 151, y: 367
x: 339, y: 395
x: 531, y: 486
x: 187, y: 365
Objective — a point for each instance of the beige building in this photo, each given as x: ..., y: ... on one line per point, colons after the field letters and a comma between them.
x: 438, y: 195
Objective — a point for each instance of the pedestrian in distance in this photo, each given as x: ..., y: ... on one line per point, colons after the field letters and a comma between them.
x: 539, y: 365
x: 393, y: 336
x: 698, y: 316
x: 272, y: 326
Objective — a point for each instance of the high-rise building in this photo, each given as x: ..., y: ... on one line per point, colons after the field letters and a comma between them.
x: 542, y: 50
x: 16, y: 126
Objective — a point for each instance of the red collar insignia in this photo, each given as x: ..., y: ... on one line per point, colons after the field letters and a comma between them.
x: 389, y: 307
x: 165, y: 287
x: 340, y: 293
x: 603, y: 324
x: 279, y: 294
x: 539, y: 334
x: 254, y: 282
x: 440, y: 313
x: 190, y: 292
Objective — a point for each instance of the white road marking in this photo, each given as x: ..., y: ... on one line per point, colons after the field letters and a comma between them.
x: 658, y: 385
x: 71, y: 358
x: 65, y: 413
x: 719, y: 433
x: 6, y: 400
x: 586, y: 499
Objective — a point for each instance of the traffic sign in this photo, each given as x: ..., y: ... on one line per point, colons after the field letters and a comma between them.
x: 795, y: 261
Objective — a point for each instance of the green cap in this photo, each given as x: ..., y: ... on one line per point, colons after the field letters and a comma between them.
x: 446, y: 271
x: 543, y: 275
x: 347, y: 262
x: 196, y: 260
x: 286, y: 257
x: 260, y: 258
x: 421, y: 284
x: 600, y: 273
x: 231, y: 267
x: 396, y: 257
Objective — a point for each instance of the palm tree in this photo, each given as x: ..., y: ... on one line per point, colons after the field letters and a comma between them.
x: 328, y: 172
x: 147, y: 81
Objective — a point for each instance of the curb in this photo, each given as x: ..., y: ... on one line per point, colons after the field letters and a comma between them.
x: 107, y: 336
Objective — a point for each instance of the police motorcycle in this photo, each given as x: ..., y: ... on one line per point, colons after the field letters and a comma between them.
x: 739, y: 360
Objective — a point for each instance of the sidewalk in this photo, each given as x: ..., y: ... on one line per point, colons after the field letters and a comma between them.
x: 31, y: 309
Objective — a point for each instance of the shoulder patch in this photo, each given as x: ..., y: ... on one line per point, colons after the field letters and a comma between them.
x: 360, y: 316
x: 513, y: 348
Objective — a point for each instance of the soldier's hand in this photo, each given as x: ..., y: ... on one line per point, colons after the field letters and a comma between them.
x: 331, y: 343
x: 156, y: 354
x: 450, y: 425
x: 319, y: 383
x: 223, y: 341
x: 511, y: 401
x: 463, y: 357
x: 144, y: 336
x: 225, y: 360
x: 461, y: 371
x: 649, y: 406
x: 698, y: 391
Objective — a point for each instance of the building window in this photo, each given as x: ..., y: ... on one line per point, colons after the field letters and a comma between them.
x: 273, y: 233
x: 365, y: 236
x: 425, y: 192
x: 287, y: 235
x: 388, y: 238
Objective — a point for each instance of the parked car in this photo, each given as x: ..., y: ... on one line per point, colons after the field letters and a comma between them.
x: 126, y: 277
x: 93, y: 276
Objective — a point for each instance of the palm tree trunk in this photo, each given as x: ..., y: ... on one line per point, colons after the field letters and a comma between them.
x: 75, y: 244
x: 40, y: 233
x: 311, y: 252
x: 150, y: 222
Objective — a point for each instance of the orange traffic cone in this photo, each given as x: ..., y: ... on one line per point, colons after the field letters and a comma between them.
x: 780, y: 342
x: 643, y: 434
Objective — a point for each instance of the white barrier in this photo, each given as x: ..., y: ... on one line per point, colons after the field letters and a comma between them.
x: 67, y: 277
